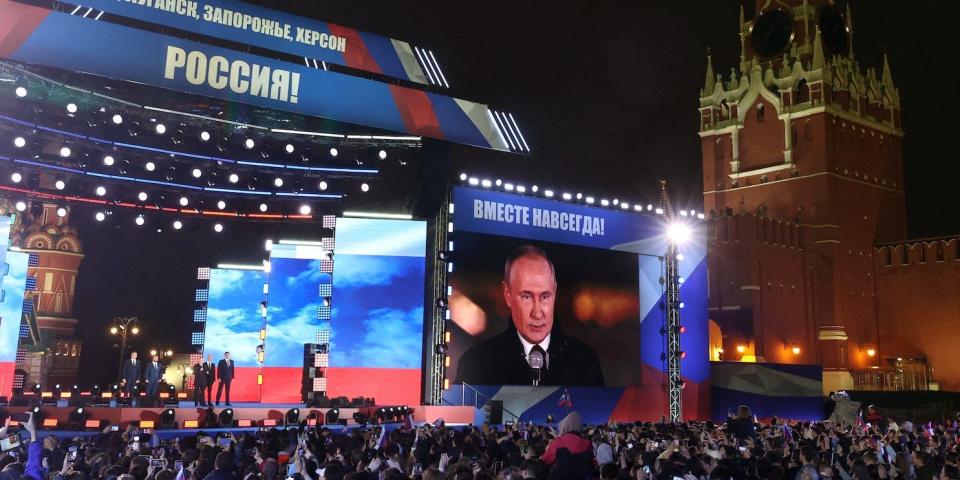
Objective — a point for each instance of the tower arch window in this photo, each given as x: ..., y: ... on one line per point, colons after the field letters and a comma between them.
x: 718, y: 152
x: 760, y: 112
x: 803, y: 92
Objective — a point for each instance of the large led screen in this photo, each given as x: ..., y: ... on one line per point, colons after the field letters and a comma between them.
x: 377, y: 316
x: 575, y: 285
x: 11, y: 314
x: 294, y: 307
x: 234, y: 322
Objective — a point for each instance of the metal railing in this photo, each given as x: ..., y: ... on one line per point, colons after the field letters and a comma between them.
x: 906, y: 377
x: 477, y: 395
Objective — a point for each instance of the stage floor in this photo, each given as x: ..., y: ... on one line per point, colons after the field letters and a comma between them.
x: 254, y: 412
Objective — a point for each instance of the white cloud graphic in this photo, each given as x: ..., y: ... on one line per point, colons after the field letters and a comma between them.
x: 362, y: 270
x: 392, y: 338
x: 224, y: 281
x: 309, y: 276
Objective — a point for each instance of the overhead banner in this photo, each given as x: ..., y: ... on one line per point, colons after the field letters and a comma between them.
x: 498, y: 213
x: 35, y: 35
x: 267, y: 28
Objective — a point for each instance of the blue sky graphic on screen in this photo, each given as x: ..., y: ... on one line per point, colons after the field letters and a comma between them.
x: 293, y: 303
x: 377, y: 317
x: 233, y: 314
x: 11, y: 306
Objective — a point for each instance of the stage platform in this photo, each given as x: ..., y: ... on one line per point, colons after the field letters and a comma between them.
x: 255, y: 412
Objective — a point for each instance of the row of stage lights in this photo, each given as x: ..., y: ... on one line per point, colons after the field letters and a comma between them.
x: 197, y: 173
x: 205, y: 136
x: 570, y: 197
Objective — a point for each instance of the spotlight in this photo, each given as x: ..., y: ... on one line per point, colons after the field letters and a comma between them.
x: 101, y: 191
x: 234, y: 178
x: 21, y: 206
x: 117, y: 119
x: 871, y: 352
x: 142, y: 196
x: 20, y: 92
x: 225, y: 418
x: 65, y: 152
x: 741, y: 348
x: 108, y: 161
x: 184, y: 201
x: 100, y: 216
x: 61, y: 212
x: 289, y: 148
x: 334, y: 152
x: 678, y: 232
x: 161, y: 128
x: 304, y: 209
x: 263, y: 207
x: 196, y: 173
x: 333, y: 416
x: 463, y: 177
x: 72, y: 108
x: 441, y: 349
x: 249, y: 143
x: 19, y: 142
x: 221, y: 205
x: 150, y: 166
x: 168, y: 419
x: 292, y: 417
x: 322, y: 185
x: 205, y: 136
x: 16, y: 177
x: 795, y: 349
x: 77, y: 418
x: 382, y: 154
x: 278, y: 182
x: 177, y: 224
x: 364, y: 187
x: 139, y: 220
x: 218, y: 228
x: 60, y: 184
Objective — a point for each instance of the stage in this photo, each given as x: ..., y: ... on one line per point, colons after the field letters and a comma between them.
x: 256, y: 414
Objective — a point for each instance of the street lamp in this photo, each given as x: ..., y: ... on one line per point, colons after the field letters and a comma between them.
x: 122, y: 325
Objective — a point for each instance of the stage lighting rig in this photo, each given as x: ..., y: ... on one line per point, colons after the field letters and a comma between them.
x: 225, y: 418
x: 77, y: 419
x: 333, y: 416
x: 168, y: 419
x: 292, y: 417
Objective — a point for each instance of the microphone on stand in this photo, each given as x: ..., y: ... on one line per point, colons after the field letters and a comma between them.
x: 536, y: 360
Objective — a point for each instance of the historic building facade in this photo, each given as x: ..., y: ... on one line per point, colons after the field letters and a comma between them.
x: 50, y: 353
x: 803, y: 177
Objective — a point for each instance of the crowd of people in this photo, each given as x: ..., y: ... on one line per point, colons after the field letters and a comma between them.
x: 739, y: 448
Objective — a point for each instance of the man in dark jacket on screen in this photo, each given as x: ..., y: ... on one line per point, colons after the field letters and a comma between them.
x: 533, y: 338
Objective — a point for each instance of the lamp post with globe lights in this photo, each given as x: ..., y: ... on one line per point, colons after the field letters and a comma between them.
x: 122, y: 326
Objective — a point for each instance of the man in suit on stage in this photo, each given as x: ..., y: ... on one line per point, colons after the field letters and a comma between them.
x: 533, y: 350
x: 153, y: 374
x: 203, y: 377
x: 225, y: 375
x: 130, y: 373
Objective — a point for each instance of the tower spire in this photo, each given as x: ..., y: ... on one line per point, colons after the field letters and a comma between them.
x: 887, y: 76
x: 818, y: 51
x: 709, y: 81
x: 850, y: 30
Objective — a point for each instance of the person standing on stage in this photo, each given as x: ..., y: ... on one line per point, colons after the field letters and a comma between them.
x: 131, y: 373
x: 153, y: 374
x: 203, y: 382
x: 211, y: 377
x: 225, y: 375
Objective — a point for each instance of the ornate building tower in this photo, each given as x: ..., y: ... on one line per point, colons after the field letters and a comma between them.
x: 52, y: 353
x: 802, y: 171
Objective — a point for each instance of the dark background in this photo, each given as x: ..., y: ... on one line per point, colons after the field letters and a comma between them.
x: 479, y: 271
x: 606, y: 93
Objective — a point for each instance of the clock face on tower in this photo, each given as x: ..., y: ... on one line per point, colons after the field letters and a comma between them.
x: 833, y: 29
x: 771, y: 32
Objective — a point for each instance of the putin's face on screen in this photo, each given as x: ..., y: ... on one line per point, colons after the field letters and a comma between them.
x: 530, y: 291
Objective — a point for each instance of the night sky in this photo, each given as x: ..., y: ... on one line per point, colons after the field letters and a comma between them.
x: 606, y: 93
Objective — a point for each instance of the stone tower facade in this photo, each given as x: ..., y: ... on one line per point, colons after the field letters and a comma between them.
x: 803, y: 175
